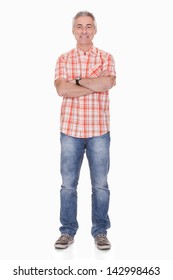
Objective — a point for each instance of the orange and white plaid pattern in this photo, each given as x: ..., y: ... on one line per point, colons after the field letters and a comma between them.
x: 85, y: 116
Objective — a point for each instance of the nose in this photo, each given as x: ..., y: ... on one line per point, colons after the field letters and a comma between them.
x: 84, y: 29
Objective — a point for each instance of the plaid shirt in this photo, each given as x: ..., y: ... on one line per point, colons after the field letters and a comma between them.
x: 85, y: 116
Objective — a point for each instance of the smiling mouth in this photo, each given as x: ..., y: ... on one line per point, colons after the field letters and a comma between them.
x: 84, y: 36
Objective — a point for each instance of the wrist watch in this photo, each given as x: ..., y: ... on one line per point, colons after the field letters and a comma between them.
x: 77, y: 81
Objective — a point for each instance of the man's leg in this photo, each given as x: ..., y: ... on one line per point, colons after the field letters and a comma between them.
x: 97, y: 151
x: 72, y: 152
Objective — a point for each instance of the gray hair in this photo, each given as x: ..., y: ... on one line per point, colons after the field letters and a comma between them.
x: 84, y: 13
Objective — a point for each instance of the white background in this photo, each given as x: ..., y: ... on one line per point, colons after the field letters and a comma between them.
x: 33, y: 35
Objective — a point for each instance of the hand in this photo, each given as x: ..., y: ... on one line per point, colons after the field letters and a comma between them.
x: 72, y: 81
x: 104, y: 73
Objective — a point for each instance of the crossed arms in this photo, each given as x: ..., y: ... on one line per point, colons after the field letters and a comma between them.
x: 102, y: 83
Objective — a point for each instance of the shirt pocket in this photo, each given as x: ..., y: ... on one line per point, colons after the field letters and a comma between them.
x: 95, y: 70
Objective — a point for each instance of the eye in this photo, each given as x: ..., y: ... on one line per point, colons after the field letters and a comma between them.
x: 89, y: 26
x: 78, y: 26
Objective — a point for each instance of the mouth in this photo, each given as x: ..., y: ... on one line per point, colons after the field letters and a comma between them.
x: 84, y: 36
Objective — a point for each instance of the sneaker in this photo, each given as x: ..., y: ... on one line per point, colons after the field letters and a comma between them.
x: 102, y: 242
x: 64, y: 241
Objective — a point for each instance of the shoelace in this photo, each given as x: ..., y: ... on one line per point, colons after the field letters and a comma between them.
x: 64, y: 236
x: 103, y: 238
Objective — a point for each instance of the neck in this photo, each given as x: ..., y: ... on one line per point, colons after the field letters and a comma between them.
x: 84, y: 48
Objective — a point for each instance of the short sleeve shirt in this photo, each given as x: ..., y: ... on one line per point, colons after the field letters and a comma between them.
x: 85, y: 116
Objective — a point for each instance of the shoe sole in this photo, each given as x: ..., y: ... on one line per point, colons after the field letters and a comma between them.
x: 106, y: 247
x: 60, y: 246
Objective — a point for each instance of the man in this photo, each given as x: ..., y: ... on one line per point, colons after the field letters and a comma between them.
x: 83, y: 77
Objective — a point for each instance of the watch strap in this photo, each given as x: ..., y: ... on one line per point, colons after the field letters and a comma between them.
x: 77, y: 81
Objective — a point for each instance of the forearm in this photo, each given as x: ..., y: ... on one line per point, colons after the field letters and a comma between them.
x: 70, y: 89
x: 98, y: 84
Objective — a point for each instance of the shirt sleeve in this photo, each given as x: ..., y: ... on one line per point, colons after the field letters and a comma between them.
x: 109, y: 64
x: 60, y: 69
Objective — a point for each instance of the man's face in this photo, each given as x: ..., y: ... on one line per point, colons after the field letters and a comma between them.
x: 84, y: 30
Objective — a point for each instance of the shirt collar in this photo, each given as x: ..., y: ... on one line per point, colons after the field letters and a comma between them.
x: 92, y: 49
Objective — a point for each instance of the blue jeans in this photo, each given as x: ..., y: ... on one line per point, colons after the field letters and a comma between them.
x: 72, y: 153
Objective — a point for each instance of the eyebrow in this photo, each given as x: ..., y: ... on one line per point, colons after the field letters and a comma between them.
x: 88, y: 24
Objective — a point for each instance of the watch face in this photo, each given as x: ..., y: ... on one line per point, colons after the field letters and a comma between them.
x: 77, y: 81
